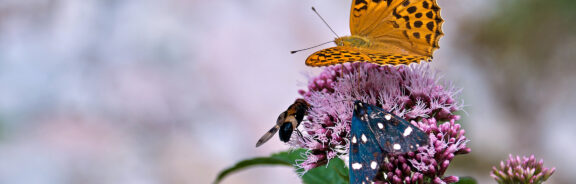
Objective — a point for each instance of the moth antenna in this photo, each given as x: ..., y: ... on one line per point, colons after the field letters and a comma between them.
x: 294, y: 51
x: 314, y: 9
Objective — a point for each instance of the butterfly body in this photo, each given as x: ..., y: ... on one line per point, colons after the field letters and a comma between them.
x: 376, y: 133
x: 386, y: 32
x: 287, y: 122
x: 353, y: 41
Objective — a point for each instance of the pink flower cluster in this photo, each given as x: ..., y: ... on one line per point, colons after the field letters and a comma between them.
x: 431, y: 162
x: 413, y: 92
x: 521, y: 170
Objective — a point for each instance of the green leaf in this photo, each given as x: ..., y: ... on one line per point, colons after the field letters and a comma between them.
x: 286, y: 158
x: 334, y: 172
x: 466, y: 180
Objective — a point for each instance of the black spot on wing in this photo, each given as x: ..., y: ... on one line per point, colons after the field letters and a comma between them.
x: 425, y: 4
x: 406, y: 3
x: 430, y: 14
x: 395, y: 14
x: 428, y: 37
x: 356, y: 2
x: 418, y: 24
x: 418, y: 15
x: 411, y: 10
x: 430, y: 26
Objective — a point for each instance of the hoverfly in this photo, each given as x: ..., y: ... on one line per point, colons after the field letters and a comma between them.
x: 287, y: 122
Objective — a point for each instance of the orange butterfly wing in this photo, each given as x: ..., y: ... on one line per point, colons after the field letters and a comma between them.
x: 365, y: 15
x: 400, y: 32
x: 341, y: 54
x: 336, y: 55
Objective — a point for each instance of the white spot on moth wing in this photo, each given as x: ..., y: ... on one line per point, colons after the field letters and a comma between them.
x: 368, y: 180
x: 354, y: 140
x: 397, y: 146
x: 356, y: 165
x: 388, y: 117
x: 373, y: 165
x: 380, y: 125
x: 364, y: 138
x: 407, y: 131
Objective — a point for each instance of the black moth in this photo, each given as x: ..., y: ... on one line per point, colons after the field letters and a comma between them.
x: 374, y: 134
x: 287, y: 122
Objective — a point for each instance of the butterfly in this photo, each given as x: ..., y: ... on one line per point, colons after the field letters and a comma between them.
x: 386, y: 32
x: 376, y: 133
x: 287, y: 122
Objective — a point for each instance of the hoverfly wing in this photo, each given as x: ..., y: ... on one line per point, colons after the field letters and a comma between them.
x: 267, y: 136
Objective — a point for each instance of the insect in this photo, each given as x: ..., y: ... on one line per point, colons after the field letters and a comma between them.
x: 376, y: 133
x: 386, y: 32
x: 287, y: 122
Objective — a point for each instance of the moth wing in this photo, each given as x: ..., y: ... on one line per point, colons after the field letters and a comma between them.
x: 365, y: 153
x: 394, y: 134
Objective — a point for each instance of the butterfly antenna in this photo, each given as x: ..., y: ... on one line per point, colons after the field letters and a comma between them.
x: 314, y: 9
x: 294, y: 51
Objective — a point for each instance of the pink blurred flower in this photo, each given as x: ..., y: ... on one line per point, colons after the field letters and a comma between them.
x: 446, y: 141
x: 525, y: 170
x: 413, y: 92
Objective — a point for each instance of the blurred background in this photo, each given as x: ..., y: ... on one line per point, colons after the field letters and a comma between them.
x: 173, y: 91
